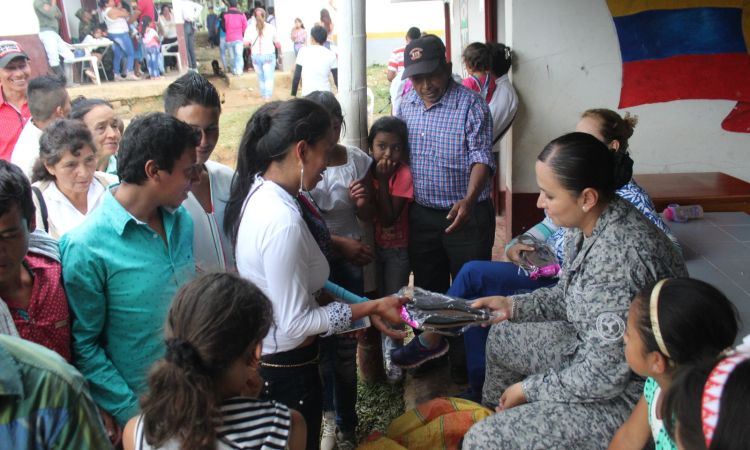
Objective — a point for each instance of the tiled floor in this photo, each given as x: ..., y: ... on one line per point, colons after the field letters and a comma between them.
x: 717, y: 250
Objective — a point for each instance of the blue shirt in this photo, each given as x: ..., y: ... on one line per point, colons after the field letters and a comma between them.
x: 446, y: 140
x: 120, y: 278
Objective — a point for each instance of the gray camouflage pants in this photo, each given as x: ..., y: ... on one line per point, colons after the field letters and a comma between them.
x: 517, y: 350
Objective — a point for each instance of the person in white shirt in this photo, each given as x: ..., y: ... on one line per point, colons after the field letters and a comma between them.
x: 284, y: 151
x: 396, y: 68
x: 48, y: 100
x: 315, y: 64
x: 66, y: 176
x: 504, y: 101
x: 263, y: 42
x: 195, y: 101
x: 190, y: 13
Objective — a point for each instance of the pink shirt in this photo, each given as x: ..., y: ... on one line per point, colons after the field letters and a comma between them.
x: 235, y: 24
x: 397, y: 235
x: 472, y: 84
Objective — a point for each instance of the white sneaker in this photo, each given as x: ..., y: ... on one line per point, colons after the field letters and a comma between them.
x: 394, y: 373
x: 328, y: 442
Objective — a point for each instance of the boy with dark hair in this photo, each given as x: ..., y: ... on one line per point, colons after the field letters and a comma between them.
x: 33, y: 304
x: 124, y: 264
x: 195, y: 101
x: 48, y: 100
x: 315, y: 64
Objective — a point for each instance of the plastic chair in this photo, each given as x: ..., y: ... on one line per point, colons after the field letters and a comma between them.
x: 92, y: 61
x: 176, y: 53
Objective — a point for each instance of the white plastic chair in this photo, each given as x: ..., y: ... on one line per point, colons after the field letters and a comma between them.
x: 93, y: 62
x: 370, y: 105
x: 176, y: 53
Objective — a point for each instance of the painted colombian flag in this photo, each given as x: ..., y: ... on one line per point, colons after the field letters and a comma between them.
x: 681, y: 49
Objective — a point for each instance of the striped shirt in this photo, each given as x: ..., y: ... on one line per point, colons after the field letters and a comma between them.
x: 248, y: 423
x: 446, y: 140
x: 396, y: 63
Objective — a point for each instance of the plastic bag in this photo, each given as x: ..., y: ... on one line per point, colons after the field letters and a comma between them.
x: 441, y: 313
x: 541, y: 262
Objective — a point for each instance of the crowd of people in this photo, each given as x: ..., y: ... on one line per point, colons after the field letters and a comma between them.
x: 152, y: 298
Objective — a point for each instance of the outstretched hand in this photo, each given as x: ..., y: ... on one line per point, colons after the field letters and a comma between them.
x: 499, y: 306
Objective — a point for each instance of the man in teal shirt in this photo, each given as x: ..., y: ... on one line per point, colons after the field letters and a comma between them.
x: 123, y: 265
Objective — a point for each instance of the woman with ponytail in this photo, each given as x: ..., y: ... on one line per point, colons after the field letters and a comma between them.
x: 284, y: 151
x: 200, y: 395
x: 556, y: 367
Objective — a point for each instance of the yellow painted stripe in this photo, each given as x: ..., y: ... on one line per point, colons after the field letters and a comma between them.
x: 400, y: 34
x: 626, y: 7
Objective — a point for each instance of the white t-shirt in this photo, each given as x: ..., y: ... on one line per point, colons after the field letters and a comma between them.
x: 26, y: 151
x: 115, y: 26
x: 61, y: 211
x: 331, y: 195
x: 503, y: 105
x: 262, y: 44
x: 317, y: 63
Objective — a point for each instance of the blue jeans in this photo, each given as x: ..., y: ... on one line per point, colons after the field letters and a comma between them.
x: 264, y: 66
x: 187, y: 27
x: 393, y: 270
x: 122, y: 44
x: 481, y: 279
x: 152, y: 60
x: 235, y: 55
x: 223, y: 52
x: 338, y: 367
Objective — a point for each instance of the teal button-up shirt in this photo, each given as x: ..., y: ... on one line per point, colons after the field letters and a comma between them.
x: 120, y: 278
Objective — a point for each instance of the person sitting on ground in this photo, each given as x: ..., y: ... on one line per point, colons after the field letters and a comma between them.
x: 65, y: 174
x: 396, y: 68
x: 33, y: 304
x: 478, y: 60
x: 48, y: 100
x: 45, y: 403
x: 671, y: 324
x: 15, y: 74
x: 556, y: 367
x: 504, y: 101
x: 210, y: 370
x: 315, y: 64
x: 106, y: 129
x: 123, y: 265
x: 195, y: 101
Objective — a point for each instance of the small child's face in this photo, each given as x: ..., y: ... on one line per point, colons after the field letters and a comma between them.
x: 634, y: 348
x: 387, y: 146
x: 97, y: 34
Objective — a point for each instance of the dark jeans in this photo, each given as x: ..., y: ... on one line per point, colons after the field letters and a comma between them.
x: 437, y: 256
x: 298, y: 388
x: 190, y: 44
x: 338, y: 368
x: 482, y: 279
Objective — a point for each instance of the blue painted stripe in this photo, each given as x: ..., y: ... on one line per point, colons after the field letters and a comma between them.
x: 659, y: 34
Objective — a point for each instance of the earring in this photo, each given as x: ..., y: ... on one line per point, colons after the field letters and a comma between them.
x: 301, y: 178
x: 584, y: 209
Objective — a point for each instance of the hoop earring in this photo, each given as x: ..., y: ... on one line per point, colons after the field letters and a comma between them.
x: 301, y: 178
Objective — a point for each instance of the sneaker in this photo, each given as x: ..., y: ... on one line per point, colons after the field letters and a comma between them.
x: 132, y: 77
x: 119, y: 78
x: 414, y: 353
x: 328, y: 442
x: 394, y: 373
x: 346, y: 440
x: 428, y: 367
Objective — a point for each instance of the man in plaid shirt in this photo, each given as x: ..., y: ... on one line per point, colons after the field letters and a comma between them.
x: 452, y: 220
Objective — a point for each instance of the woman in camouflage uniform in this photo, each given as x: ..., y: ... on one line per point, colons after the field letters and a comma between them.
x: 556, y: 371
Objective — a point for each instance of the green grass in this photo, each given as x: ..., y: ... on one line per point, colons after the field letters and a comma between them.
x: 377, y: 406
x: 378, y: 82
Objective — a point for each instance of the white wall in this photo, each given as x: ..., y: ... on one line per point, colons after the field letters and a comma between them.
x: 71, y: 6
x: 384, y: 16
x: 21, y: 21
x: 567, y: 60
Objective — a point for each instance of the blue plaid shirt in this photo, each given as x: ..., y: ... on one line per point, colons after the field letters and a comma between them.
x: 446, y: 140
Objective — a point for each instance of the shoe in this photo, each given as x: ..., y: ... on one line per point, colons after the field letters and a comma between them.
x: 459, y: 374
x: 428, y: 367
x: 89, y: 73
x: 119, y: 78
x: 328, y: 442
x: 394, y: 373
x: 167, y: 69
x: 414, y: 353
x: 346, y: 440
x: 132, y: 77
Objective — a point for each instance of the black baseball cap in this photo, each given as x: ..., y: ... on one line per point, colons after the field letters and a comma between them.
x: 10, y: 50
x: 423, y: 55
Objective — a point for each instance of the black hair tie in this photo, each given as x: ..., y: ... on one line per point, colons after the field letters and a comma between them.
x: 181, y: 353
x: 623, y: 168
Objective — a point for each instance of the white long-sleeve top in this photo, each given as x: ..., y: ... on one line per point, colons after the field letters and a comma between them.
x: 503, y: 105
x: 276, y: 251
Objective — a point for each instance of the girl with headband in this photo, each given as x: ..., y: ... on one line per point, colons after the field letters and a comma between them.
x: 707, y: 407
x: 671, y: 323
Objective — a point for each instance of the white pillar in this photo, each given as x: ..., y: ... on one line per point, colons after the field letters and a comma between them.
x: 352, y: 44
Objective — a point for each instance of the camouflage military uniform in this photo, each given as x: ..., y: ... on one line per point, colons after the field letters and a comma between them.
x: 568, y: 340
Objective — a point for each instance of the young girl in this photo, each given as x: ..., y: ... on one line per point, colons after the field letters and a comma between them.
x: 671, y: 323
x: 199, y: 395
x: 299, y: 35
x: 342, y: 196
x: 394, y: 189
x: 709, y: 401
x: 151, y: 42
x: 478, y: 60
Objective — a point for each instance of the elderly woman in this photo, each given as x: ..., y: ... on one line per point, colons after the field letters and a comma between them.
x: 556, y: 368
x: 105, y: 127
x: 66, y: 176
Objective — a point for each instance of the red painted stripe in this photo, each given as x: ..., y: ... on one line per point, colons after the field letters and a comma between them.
x: 724, y: 76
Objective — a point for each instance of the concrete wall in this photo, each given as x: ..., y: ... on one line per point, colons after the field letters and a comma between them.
x: 567, y: 59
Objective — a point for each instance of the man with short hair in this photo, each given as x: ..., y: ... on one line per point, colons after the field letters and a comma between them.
x: 123, y: 265
x: 48, y: 15
x: 315, y: 64
x: 234, y: 23
x: 48, y: 101
x: 15, y: 73
x: 44, y: 402
x: 452, y: 219
x: 211, y: 20
x: 195, y: 101
x: 396, y: 68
